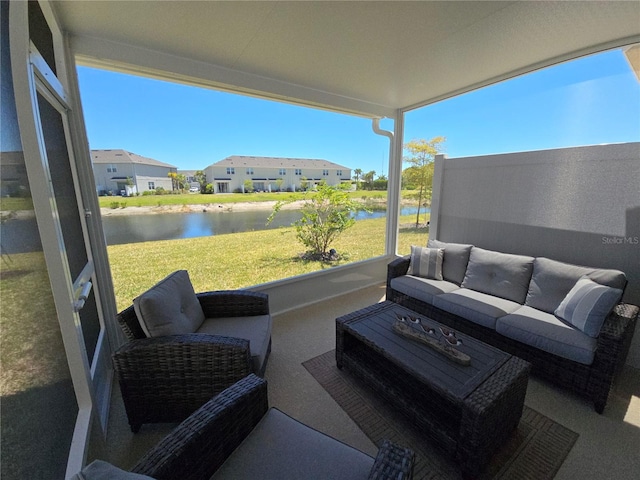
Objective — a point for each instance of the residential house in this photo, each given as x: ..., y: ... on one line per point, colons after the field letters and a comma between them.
x: 372, y: 60
x: 190, y: 177
x: 118, y: 172
x: 273, y: 173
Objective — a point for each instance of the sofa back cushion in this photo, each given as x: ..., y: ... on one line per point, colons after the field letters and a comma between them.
x: 454, y: 261
x: 170, y: 307
x: 551, y: 281
x: 503, y: 275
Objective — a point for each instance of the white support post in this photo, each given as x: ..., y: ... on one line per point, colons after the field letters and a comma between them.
x: 436, y: 192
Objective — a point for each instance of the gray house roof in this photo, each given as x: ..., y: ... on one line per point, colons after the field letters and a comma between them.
x: 122, y: 156
x: 271, y: 162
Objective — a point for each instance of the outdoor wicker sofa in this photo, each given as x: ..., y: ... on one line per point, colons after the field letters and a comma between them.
x: 475, y: 296
x: 237, y: 435
x: 166, y: 377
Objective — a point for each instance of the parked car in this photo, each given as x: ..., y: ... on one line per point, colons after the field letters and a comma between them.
x: 194, y: 190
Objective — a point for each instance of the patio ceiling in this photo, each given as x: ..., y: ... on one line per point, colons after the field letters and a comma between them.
x: 369, y: 58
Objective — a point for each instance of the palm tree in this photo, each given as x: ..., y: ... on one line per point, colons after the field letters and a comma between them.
x: 356, y: 173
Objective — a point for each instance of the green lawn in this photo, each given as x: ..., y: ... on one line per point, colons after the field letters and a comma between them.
x: 241, y: 259
x: 8, y: 204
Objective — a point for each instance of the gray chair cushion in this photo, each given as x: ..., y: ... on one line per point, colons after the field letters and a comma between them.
x: 501, y: 274
x: 548, y: 333
x: 455, y: 259
x: 170, y: 307
x: 280, y: 447
x: 587, y: 305
x: 551, y: 281
x: 426, y: 262
x: 100, y: 470
x: 256, y: 329
x: 475, y: 306
x: 422, y: 289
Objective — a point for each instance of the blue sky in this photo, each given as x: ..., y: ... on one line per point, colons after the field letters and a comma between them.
x: 592, y: 100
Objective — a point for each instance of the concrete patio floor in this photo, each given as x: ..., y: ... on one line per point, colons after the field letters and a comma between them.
x: 608, y: 445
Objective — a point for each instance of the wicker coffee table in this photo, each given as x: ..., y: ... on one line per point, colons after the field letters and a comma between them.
x: 469, y: 411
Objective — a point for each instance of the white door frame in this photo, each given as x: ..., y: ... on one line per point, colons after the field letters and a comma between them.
x: 32, y: 76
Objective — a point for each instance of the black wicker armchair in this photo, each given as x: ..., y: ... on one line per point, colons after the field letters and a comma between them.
x: 166, y: 378
x: 198, y: 448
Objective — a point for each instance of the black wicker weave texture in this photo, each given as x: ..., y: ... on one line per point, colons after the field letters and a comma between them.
x: 202, y: 443
x: 470, y: 411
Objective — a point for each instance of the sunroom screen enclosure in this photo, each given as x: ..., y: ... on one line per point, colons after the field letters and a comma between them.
x: 373, y: 59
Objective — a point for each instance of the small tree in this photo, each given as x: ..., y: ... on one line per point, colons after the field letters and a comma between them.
x: 248, y: 186
x: 325, y: 215
x: 420, y: 173
x: 279, y: 182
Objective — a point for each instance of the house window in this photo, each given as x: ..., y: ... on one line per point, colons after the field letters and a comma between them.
x: 339, y: 173
x: 249, y: 171
x: 298, y: 171
x: 152, y: 185
x: 231, y: 171
x: 325, y: 173
x: 111, y: 169
x: 283, y: 171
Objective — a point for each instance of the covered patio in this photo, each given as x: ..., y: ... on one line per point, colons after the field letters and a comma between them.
x: 605, y: 448
x: 377, y: 60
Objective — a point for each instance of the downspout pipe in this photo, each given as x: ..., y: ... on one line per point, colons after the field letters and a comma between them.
x: 393, y: 191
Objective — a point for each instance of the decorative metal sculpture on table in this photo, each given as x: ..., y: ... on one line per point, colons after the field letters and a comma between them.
x: 442, y: 340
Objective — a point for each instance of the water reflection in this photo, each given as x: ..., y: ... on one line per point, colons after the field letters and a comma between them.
x: 169, y: 226
x: 122, y: 229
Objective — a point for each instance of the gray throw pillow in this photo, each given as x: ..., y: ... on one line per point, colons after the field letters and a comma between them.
x: 426, y: 262
x: 587, y: 305
x: 500, y: 274
x: 455, y: 259
x: 170, y: 307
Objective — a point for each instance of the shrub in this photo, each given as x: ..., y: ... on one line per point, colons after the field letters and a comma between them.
x: 325, y: 216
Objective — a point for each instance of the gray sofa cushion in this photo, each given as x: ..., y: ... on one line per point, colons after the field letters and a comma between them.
x: 455, y: 259
x: 100, y: 470
x: 551, y: 281
x: 501, y: 274
x: 256, y: 329
x: 426, y: 262
x: 281, y: 447
x: 422, y: 289
x: 587, y: 305
x: 475, y: 306
x: 548, y: 333
x: 170, y: 307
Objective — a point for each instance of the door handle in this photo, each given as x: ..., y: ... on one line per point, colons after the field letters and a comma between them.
x: 84, y: 293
